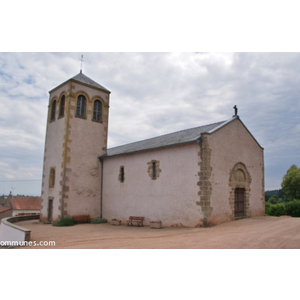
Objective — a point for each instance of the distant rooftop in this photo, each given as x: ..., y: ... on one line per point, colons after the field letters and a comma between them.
x: 171, y: 139
x: 26, y: 202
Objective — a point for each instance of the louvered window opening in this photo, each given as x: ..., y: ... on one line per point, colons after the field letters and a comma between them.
x: 62, y: 107
x: 97, y: 111
x: 81, y: 105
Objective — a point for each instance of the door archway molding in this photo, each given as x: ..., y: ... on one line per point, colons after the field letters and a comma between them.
x: 239, y: 177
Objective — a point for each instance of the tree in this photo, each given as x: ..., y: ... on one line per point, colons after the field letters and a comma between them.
x: 291, y: 182
x: 273, y: 199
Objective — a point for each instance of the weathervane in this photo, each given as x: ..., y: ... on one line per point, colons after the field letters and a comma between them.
x: 81, y: 63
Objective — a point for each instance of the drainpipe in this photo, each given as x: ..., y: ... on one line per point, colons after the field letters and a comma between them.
x: 101, y: 187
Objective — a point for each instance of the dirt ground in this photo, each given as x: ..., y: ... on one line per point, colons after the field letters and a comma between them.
x: 251, y: 233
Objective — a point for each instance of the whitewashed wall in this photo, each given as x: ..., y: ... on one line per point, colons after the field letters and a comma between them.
x: 11, y: 232
x: 170, y: 198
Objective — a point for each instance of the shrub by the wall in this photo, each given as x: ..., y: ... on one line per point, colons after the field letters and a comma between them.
x: 65, y: 222
x: 275, y: 209
x: 293, y: 208
x: 98, y: 220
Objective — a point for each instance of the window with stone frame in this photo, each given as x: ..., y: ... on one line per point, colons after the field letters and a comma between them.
x: 153, y: 169
x: 52, y: 178
x: 53, y: 109
x: 62, y: 107
x: 97, y: 111
x: 81, y: 106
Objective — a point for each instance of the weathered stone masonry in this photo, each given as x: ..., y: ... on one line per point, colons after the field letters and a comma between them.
x: 204, y: 183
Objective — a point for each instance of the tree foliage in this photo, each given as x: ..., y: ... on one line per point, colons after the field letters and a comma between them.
x: 291, y: 182
x: 279, y: 194
x: 273, y: 199
x: 293, y: 208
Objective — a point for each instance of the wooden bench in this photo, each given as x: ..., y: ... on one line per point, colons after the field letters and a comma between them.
x: 82, y: 219
x: 138, y: 220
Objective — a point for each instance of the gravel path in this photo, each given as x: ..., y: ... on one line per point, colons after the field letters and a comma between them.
x: 252, y: 233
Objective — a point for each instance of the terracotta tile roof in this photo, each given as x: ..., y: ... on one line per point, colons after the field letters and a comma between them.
x: 4, y: 208
x: 26, y: 203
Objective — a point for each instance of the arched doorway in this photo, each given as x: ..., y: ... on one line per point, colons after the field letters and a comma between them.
x: 239, y: 183
x: 50, y: 210
x: 239, y: 203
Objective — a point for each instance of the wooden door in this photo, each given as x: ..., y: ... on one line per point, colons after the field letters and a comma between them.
x: 239, y: 203
x: 50, y: 210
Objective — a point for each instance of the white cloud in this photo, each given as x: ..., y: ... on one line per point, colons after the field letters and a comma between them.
x: 155, y: 93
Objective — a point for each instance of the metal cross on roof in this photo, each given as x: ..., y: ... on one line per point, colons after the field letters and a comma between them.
x: 81, y: 63
x: 235, y: 111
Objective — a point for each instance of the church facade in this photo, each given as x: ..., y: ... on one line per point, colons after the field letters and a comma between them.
x: 201, y: 176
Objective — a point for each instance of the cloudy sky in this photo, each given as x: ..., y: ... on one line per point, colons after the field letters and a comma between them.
x: 156, y: 93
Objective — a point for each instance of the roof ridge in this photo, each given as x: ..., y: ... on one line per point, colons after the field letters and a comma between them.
x: 87, y: 80
x: 82, y: 78
x: 169, y: 139
x: 166, y: 134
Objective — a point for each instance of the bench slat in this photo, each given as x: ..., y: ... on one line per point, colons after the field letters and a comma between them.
x: 137, y: 219
x: 82, y: 219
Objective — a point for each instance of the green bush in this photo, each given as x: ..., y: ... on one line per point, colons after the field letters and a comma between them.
x: 67, y: 221
x: 273, y: 199
x: 267, y: 208
x: 275, y: 209
x: 98, y: 220
x: 293, y: 208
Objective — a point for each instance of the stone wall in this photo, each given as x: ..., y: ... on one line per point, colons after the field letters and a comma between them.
x: 234, y: 154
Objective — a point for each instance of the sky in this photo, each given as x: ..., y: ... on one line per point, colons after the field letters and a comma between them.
x: 156, y: 92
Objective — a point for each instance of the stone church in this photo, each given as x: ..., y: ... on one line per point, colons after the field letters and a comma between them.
x: 201, y: 176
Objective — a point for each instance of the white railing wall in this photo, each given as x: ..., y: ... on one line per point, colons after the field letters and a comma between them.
x: 10, y: 232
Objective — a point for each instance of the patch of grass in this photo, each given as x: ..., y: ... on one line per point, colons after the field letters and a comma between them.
x: 67, y: 221
x: 98, y: 221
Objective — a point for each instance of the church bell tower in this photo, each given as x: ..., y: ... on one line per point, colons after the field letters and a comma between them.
x: 76, y: 136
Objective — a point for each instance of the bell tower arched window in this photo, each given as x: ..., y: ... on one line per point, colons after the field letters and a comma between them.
x: 53, y: 109
x: 62, y: 107
x: 97, y: 112
x: 81, y: 106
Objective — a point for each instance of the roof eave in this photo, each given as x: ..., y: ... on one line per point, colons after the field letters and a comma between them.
x: 85, y: 84
x: 91, y: 86
x: 222, y: 125
x: 229, y: 121
x: 103, y: 156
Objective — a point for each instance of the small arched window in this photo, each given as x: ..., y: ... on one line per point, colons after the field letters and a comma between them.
x: 53, y: 109
x: 62, y: 107
x: 122, y: 174
x: 97, y: 111
x: 81, y: 105
x: 52, y: 178
x: 154, y: 170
